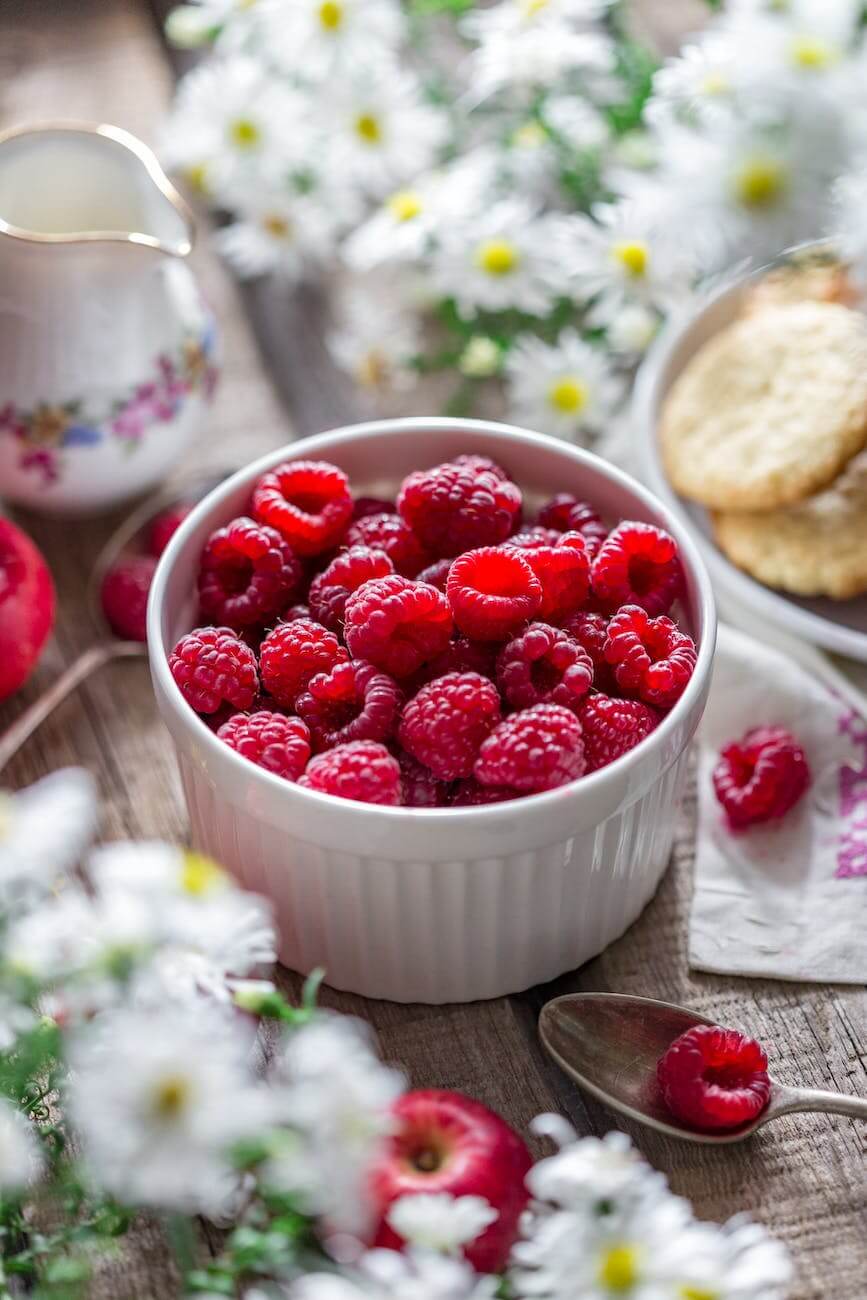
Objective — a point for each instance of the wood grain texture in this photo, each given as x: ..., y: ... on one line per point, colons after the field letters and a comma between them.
x: 103, y: 59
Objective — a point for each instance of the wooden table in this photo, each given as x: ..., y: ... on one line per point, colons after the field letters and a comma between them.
x: 804, y: 1177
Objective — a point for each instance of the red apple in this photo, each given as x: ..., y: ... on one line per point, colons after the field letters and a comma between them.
x: 26, y: 606
x: 446, y: 1142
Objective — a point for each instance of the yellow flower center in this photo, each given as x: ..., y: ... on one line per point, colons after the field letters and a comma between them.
x: 170, y: 1096
x: 199, y: 875
x: 529, y: 136
x: 568, y: 395
x: 760, y: 182
x: 197, y: 176
x: 811, y: 53
x: 372, y: 370
x: 697, y: 1293
x: 368, y: 128
x: 633, y: 256
x: 533, y: 7
x: 715, y: 84
x: 244, y: 133
x: 618, y: 1268
x: 497, y: 257
x: 331, y: 15
x: 404, y: 205
x: 276, y: 225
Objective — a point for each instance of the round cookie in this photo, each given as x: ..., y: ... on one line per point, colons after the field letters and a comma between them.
x: 770, y: 409
x: 817, y: 548
x: 800, y: 282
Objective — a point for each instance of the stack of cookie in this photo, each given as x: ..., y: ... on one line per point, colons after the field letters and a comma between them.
x: 767, y: 427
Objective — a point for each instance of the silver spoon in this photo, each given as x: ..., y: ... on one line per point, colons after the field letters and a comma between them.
x: 609, y: 1043
x: 129, y: 536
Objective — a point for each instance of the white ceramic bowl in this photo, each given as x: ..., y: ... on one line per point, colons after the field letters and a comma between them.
x: 436, y: 905
x: 837, y: 625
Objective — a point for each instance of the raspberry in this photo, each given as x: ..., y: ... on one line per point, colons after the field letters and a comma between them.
x: 330, y: 590
x: 362, y: 770
x: 590, y: 630
x: 364, y: 506
x: 638, y: 564
x: 397, y: 624
x: 613, y: 727
x: 461, y: 655
x: 419, y: 786
x: 212, y: 666
x: 469, y: 794
x: 294, y: 612
x: 531, y: 538
x: 543, y: 665
x: 651, y: 657
x: 713, y: 1078
x: 564, y: 574
x: 567, y: 514
x: 480, y: 465
x: 444, y: 725
x: 354, y: 701
x: 124, y: 595
x: 492, y: 592
x: 536, y: 749
x: 307, y: 501
x: 436, y: 574
x: 388, y: 532
x: 292, y: 654
x: 760, y: 777
x: 247, y: 575
x: 271, y: 740
x: 454, y: 508
x: 164, y: 527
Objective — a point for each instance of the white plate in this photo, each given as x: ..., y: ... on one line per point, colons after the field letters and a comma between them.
x: 840, y: 626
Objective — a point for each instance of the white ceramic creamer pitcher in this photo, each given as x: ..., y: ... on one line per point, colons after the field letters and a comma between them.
x: 106, y: 347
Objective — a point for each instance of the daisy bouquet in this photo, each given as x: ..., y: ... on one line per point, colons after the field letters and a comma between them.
x: 516, y: 193
x: 133, y: 1005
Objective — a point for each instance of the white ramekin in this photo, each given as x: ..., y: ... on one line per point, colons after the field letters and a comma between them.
x: 436, y: 905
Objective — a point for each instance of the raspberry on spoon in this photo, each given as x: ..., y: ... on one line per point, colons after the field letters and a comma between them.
x: 760, y: 777
x: 713, y: 1078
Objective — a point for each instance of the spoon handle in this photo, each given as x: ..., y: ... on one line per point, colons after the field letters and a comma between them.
x: 78, y: 671
x: 815, y: 1099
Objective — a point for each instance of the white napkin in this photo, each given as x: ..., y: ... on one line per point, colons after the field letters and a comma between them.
x: 786, y: 900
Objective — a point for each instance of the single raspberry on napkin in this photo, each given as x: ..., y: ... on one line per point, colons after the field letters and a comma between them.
x: 760, y: 777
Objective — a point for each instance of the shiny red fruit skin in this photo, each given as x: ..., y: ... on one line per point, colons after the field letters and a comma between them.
x: 478, y: 1155
x: 27, y: 605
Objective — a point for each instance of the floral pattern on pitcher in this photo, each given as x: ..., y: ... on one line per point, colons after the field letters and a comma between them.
x: 48, y: 429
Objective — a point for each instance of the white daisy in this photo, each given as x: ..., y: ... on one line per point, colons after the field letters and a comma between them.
x: 380, y: 132
x: 290, y: 234
x: 377, y: 335
x: 312, y: 38
x: 508, y: 257
x: 20, y: 1157
x: 632, y: 329
x: 523, y: 44
x: 43, y: 832
x: 701, y: 81
x: 389, y: 1275
x: 335, y: 1096
x: 561, y: 389
x: 15, y: 1019
x: 738, y: 1261
x: 439, y: 1221
x: 158, y: 1099
x: 578, y: 124
x: 590, y: 1170
x: 233, y: 124
x: 191, y: 25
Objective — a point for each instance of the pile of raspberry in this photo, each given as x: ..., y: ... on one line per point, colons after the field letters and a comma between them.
x: 436, y: 651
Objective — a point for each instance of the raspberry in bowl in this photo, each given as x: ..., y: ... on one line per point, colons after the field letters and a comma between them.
x: 496, y: 754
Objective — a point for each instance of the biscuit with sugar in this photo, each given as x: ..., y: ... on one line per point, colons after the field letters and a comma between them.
x: 769, y: 410
x: 817, y: 548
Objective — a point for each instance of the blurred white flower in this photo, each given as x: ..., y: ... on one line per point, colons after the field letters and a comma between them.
x: 481, y: 358
x: 43, y: 833
x: 389, y: 1275
x: 589, y: 1170
x: 738, y: 1261
x: 72, y: 933
x: 194, y: 24
x: 439, y: 1221
x: 377, y: 336
x: 562, y: 388
x: 158, y: 1098
x: 335, y: 1096
x: 523, y: 44
x: 20, y: 1157
x: 380, y: 131
x: 848, y: 225
x: 632, y: 329
x: 507, y: 257
x: 700, y: 82
x: 234, y: 124
x: 576, y: 122
x: 312, y: 38
x: 15, y: 1019
x: 290, y: 234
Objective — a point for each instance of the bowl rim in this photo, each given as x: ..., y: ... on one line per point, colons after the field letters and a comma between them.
x: 735, y: 586
x: 584, y: 787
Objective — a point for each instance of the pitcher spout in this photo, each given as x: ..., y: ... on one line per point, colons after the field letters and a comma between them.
x: 74, y: 183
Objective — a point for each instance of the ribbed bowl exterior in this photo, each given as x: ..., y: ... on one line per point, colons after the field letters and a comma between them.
x: 436, y: 905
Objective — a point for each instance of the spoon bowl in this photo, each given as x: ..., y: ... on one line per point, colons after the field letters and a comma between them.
x: 609, y: 1044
